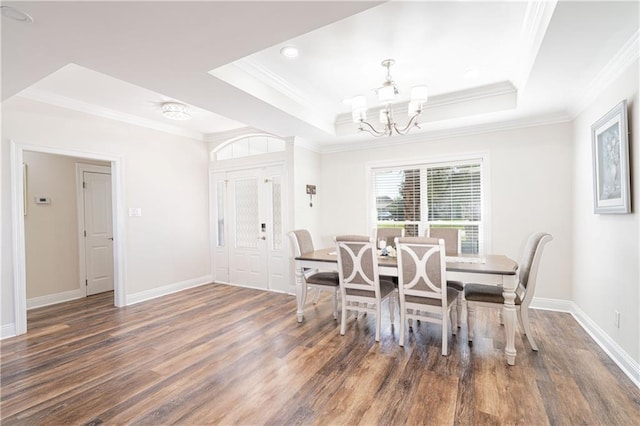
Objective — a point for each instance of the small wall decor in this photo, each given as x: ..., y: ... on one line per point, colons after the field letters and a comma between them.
x: 311, y: 190
x: 610, y: 146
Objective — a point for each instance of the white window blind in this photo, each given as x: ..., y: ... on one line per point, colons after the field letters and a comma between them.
x: 432, y: 195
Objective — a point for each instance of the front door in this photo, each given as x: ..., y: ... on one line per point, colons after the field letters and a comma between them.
x: 98, y: 232
x: 249, y: 216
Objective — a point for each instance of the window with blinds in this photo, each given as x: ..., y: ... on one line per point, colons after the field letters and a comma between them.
x: 420, y: 197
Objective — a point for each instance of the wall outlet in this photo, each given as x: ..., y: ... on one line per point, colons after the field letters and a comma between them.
x: 617, y: 318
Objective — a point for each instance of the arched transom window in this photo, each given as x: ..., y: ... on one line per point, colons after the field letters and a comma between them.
x: 248, y: 146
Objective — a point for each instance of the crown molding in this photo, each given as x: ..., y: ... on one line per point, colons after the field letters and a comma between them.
x: 534, y: 27
x: 434, y: 135
x: 273, y: 80
x: 96, y: 110
x: 480, y: 93
x: 619, y: 63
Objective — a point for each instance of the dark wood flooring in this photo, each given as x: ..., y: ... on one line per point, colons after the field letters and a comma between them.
x: 226, y: 355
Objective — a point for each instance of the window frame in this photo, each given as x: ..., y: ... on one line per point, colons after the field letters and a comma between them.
x: 484, y: 229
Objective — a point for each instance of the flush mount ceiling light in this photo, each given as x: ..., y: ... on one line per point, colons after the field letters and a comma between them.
x: 289, y: 52
x: 15, y: 14
x: 175, y: 111
x: 386, y: 95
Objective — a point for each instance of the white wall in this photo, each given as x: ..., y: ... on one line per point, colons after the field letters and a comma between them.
x: 530, y: 185
x: 306, y: 166
x: 165, y: 175
x: 606, y: 254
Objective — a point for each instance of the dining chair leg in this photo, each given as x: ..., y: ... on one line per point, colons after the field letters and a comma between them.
x: 459, y: 308
x: 378, y: 319
x: 453, y: 313
x: 391, y: 307
x: 403, y: 319
x: 524, y: 319
x: 343, y: 323
x: 470, y: 321
x: 315, y: 301
x: 335, y: 303
x: 445, y: 335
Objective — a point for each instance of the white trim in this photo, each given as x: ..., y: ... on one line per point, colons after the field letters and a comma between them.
x: 534, y: 27
x: 99, y: 111
x: 629, y: 366
x: 17, y: 199
x: 623, y: 59
x: 557, y: 305
x: 7, y: 330
x: 168, y: 289
x: 276, y: 82
x: 434, y: 135
x: 82, y: 249
x: 51, y: 299
x: 454, y: 99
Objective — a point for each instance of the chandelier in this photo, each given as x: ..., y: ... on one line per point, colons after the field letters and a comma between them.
x: 386, y: 95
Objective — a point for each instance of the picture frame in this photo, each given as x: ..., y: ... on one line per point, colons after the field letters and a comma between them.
x: 610, y: 149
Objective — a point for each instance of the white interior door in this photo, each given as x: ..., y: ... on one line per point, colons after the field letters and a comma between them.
x: 247, y: 248
x: 98, y: 232
x: 250, y: 246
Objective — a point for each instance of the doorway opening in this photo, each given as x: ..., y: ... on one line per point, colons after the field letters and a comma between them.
x: 20, y: 207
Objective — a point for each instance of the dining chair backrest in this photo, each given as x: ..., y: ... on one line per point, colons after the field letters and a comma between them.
x: 422, y: 268
x: 358, y: 263
x: 451, y: 237
x: 529, y: 263
x: 388, y: 235
x: 302, y: 241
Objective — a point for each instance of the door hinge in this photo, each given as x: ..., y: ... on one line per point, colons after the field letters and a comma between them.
x: 85, y: 234
x: 86, y: 282
x: 84, y: 185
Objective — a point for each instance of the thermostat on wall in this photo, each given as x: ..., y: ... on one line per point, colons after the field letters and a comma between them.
x: 43, y: 200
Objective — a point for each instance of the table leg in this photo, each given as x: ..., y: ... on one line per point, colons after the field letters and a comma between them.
x: 509, y: 316
x: 301, y: 292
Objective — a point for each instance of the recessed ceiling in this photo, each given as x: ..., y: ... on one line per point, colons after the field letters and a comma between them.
x: 223, y: 58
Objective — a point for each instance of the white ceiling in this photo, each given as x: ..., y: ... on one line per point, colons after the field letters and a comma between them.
x: 535, y: 60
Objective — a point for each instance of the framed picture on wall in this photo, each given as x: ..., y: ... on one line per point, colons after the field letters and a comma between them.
x: 610, y: 147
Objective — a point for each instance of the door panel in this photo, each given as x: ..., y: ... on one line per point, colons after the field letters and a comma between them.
x: 99, y: 228
x: 249, y: 225
x: 247, y: 249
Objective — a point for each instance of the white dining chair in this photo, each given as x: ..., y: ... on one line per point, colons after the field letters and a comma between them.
x: 452, y: 246
x: 361, y: 287
x: 482, y: 295
x: 313, y: 278
x: 422, y: 284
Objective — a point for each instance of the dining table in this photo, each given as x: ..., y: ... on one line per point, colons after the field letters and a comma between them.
x: 493, y: 269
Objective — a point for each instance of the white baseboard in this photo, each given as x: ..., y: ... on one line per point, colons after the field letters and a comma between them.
x: 552, y: 304
x: 132, y: 299
x: 627, y: 364
x: 51, y: 299
x: 7, y: 330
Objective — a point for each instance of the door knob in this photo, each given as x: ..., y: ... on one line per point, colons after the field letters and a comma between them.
x: 262, y: 238
x: 110, y: 238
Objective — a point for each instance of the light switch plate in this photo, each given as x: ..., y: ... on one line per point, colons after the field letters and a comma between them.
x: 135, y: 211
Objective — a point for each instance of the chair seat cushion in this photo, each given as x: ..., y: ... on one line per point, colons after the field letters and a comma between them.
x: 486, y: 293
x: 324, y: 278
x: 451, y: 297
x: 386, y: 287
x: 457, y: 285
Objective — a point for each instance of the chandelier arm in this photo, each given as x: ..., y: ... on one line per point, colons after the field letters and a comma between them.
x: 371, y: 129
x: 412, y: 122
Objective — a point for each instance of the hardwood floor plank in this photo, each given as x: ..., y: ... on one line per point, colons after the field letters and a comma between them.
x: 219, y: 354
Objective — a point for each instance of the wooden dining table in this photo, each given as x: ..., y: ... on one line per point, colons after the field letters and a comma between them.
x: 493, y: 269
